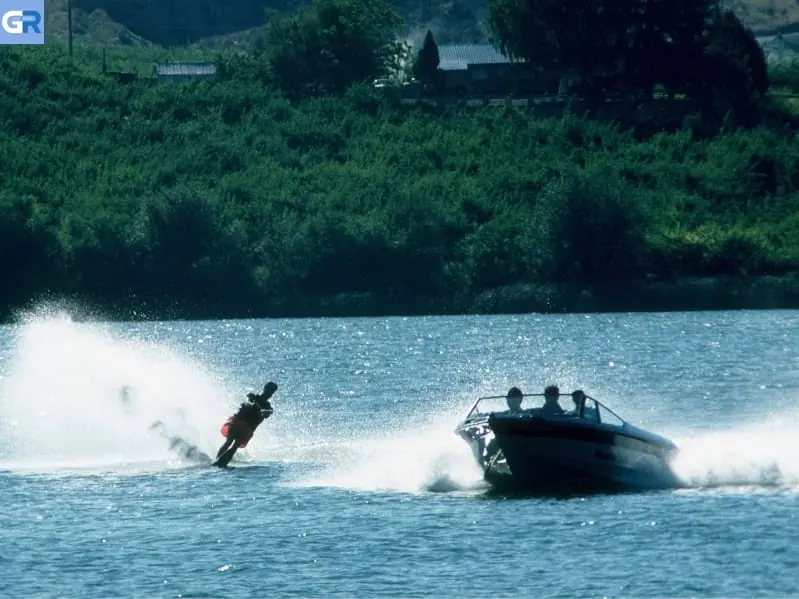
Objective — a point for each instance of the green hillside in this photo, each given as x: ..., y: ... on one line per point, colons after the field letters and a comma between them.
x: 224, y: 199
x: 229, y: 23
x: 185, y: 22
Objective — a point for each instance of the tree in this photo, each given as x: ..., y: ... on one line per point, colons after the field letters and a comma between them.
x: 605, y: 43
x: 563, y: 36
x: 331, y: 44
x: 730, y: 40
x: 732, y: 75
x: 425, y: 69
x: 667, y: 41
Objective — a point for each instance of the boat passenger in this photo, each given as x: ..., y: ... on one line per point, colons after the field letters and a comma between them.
x: 578, y: 397
x: 514, y: 400
x: 551, y: 405
x: 581, y: 408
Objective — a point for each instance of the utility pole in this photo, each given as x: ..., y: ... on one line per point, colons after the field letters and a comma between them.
x: 69, y: 26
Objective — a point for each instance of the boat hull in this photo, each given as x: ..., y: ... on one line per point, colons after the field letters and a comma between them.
x: 540, y: 454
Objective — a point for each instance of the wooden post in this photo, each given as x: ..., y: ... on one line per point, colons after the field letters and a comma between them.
x: 69, y: 26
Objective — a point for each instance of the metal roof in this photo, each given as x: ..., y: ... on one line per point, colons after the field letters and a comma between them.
x: 185, y: 68
x: 779, y: 48
x: 456, y: 57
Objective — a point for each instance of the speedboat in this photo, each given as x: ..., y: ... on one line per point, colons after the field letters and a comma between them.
x: 540, y: 446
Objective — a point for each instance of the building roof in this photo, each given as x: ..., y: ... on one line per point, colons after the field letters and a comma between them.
x: 457, y: 57
x: 779, y: 48
x: 186, y: 68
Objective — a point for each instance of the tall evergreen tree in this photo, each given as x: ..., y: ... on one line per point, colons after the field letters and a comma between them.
x: 427, y: 61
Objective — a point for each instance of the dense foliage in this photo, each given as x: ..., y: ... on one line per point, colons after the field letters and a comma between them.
x: 689, y: 47
x: 331, y: 44
x: 227, y: 198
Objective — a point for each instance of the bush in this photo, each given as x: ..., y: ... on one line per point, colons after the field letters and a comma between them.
x: 593, y: 230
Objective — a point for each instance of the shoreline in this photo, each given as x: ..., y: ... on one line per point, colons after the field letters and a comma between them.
x: 765, y: 292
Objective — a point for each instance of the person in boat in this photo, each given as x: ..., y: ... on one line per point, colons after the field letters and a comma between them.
x: 239, y: 428
x: 514, y: 400
x: 551, y: 406
x: 581, y: 407
x: 578, y: 397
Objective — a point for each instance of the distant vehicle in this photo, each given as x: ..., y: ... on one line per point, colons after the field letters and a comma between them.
x: 382, y: 83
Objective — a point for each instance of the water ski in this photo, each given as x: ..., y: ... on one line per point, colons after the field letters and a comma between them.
x: 223, y: 460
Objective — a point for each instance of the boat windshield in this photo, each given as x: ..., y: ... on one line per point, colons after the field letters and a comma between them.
x: 565, y: 406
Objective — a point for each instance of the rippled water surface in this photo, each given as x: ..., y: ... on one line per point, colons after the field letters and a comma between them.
x: 358, y: 486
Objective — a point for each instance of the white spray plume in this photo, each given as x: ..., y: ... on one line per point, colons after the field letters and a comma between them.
x: 75, y: 394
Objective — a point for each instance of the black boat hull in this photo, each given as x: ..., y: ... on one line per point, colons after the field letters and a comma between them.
x: 548, y: 455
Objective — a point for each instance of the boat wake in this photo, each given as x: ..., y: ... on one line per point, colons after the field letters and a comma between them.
x: 426, y: 459
x: 433, y: 459
x: 758, y: 456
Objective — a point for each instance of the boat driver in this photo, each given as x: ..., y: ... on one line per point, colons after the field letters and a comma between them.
x: 514, y: 400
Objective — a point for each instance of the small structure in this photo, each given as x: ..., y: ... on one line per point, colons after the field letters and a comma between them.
x: 783, y: 47
x: 473, y: 69
x: 184, y: 71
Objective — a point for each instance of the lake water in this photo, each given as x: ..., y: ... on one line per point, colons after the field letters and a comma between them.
x: 358, y: 487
